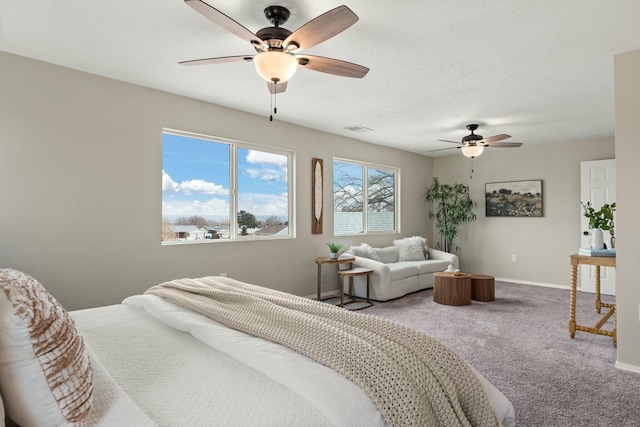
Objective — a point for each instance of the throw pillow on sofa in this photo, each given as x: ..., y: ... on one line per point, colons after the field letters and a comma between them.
x: 365, y: 251
x: 412, y: 248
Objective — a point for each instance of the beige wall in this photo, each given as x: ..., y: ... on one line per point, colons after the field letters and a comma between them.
x: 627, y: 105
x: 80, y: 195
x: 542, y: 244
x: 80, y: 168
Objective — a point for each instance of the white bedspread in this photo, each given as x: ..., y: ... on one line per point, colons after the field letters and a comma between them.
x: 158, y: 373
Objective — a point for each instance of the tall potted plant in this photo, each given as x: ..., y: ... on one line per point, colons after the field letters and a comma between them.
x: 451, y: 207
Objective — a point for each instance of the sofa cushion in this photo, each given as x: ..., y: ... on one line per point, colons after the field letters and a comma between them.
x: 364, y: 251
x: 411, y: 248
x: 388, y: 254
x: 432, y: 265
x: 403, y: 269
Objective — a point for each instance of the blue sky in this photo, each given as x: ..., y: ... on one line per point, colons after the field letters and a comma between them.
x: 196, y: 181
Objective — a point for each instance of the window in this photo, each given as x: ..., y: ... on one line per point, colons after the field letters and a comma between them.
x: 215, y: 189
x: 364, y: 198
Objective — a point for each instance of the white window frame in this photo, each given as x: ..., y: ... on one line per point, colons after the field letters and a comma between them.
x: 365, y: 201
x: 234, y: 235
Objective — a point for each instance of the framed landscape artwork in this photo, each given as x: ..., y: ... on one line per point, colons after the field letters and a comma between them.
x: 514, y: 198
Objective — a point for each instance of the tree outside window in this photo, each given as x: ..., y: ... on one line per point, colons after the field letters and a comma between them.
x: 364, y: 198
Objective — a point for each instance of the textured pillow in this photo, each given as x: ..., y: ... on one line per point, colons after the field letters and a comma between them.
x: 365, y: 251
x: 45, y: 376
x: 411, y: 248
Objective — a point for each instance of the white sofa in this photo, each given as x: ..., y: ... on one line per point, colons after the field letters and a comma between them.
x: 392, y: 278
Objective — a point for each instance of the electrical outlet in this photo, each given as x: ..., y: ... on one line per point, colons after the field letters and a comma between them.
x: 514, y: 257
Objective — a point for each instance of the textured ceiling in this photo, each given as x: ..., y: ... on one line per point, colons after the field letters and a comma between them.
x: 541, y: 71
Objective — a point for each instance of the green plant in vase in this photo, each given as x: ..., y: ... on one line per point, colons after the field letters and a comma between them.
x: 598, y: 221
x: 334, y: 248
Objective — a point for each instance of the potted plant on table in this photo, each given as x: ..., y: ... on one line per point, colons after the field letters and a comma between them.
x: 452, y: 206
x: 598, y: 221
x: 334, y: 248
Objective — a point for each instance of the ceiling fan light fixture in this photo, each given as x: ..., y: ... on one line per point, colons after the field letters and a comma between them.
x: 472, y: 150
x: 275, y: 66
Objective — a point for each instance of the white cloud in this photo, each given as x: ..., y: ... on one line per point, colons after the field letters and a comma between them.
x: 263, y: 158
x: 192, y: 186
x: 213, y: 206
x: 203, y: 187
x: 264, y: 204
x: 169, y: 184
x: 268, y: 174
x: 257, y: 204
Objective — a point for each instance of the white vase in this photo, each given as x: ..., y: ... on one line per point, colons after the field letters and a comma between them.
x: 597, y: 239
x: 333, y: 255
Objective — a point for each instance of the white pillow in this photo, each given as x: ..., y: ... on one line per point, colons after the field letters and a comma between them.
x: 45, y: 376
x: 412, y: 248
x: 1, y: 413
x: 365, y: 251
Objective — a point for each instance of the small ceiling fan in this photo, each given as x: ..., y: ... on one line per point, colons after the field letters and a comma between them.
x: 473, y: 145
x: 276, y: 60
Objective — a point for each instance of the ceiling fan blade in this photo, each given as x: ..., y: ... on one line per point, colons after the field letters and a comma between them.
x: 442, y: 149
x: 321, y: 28
x: 225, y: 22
x: 219, y: 60
x: 276, y: 87
x: 332, y: 66
x: 495, y: 138
x: 446, y: 140
x: 504, y: 144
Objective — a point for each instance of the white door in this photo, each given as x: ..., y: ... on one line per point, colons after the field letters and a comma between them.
x: 598, y: 185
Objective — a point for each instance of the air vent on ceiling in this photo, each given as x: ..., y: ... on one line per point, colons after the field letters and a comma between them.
x: 356, y: 128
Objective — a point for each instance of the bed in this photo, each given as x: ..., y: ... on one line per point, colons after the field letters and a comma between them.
x: 153, y: 361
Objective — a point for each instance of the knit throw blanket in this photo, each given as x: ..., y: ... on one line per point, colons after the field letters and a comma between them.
x: 413, y: 379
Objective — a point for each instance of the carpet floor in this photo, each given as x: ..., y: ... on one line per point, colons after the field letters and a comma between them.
x: 520, y: 343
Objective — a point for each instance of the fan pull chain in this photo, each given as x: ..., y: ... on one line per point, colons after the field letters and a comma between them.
x: 274, y: 101
x: 471, y: 168
x: 271, y: 108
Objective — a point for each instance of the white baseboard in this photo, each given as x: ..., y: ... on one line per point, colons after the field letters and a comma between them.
x: 527, y: 282
x: 323, y: 295
x: 627, y: 367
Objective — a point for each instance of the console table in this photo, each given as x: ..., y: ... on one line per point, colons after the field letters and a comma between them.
x: 331, y: 261
x: 597, y: 261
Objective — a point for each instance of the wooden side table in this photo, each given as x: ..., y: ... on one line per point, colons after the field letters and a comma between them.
x: 330, y: 261
x: 597, y: 261
x: 350, y: 274
x: 452, y: 289
x: 483, y: 288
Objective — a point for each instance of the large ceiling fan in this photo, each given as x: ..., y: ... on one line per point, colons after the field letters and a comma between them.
x: 277, y: 47
x: 473, y: 145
